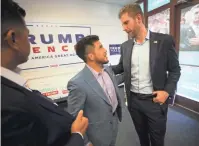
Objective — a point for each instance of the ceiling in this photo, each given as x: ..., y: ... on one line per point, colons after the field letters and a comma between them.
x: 119, y: 2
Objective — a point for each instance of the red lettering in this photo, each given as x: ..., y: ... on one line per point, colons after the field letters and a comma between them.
x: 64, y: 91
x: 64, y: 48
x: 51, y: 49
x: 36, y: 49
x: 50, y: 93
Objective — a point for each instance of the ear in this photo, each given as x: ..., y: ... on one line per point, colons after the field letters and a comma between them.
x: 139, y: 18
x: 90, y: 56
x: 12, y: 41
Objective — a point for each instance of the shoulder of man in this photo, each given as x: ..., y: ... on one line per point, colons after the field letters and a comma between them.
x: 162, y: 36
x: 127, y: 42
x: 77, y: 80
x: 77, y: 77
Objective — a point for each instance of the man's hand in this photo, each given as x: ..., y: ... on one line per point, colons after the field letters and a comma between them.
x: 194, y: 41
x: 161, y: 96
x: 80, y: 124
x: 89, y: 144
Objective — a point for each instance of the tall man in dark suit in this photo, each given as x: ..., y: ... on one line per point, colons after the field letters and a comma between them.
x: 145, y: 61
x: 28, y: 118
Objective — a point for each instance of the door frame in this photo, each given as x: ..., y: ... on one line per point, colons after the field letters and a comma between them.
x: 181, y: 100
x: 178, y: 8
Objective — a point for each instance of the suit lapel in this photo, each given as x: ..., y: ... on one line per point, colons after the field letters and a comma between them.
x: 128, y: 54
x: 93, y: 83
x: 154, y: 43
x: 34, y: 97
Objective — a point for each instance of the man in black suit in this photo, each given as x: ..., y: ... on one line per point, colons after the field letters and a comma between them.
x: 151, y: 71
x: 28, y: 118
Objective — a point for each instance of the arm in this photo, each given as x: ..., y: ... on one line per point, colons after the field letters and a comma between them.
x: 76, y: 100
x: 20, y: 128
x: 75, y: 140
x: 173, y: 68
x: 118, y: 69
x: 120, y: 78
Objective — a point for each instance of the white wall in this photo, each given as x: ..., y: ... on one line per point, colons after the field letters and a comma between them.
x: 101, y: 17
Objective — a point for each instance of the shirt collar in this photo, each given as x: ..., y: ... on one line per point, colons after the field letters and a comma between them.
x: 10, y: 75
x: 95, y: 73
x: 146, y: 38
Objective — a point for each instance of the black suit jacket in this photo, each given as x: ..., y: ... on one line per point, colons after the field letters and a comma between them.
x: 163, y: 59
x: 28, y: 119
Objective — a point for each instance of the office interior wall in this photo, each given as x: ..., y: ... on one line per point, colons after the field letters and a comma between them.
x: 103, y: 20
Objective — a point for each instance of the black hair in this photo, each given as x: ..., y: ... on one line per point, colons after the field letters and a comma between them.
x: 82, y: 46
x: 12, y: 15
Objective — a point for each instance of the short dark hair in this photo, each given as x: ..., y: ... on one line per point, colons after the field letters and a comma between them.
x: 11, y: 16
x: 83, y: 45
x: 132, y: 10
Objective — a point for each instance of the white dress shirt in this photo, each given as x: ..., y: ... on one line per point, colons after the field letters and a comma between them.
x: 141, y: 81
x: 12, y: 76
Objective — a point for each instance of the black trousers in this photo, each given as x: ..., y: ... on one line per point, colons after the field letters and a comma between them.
x: 149, y: 119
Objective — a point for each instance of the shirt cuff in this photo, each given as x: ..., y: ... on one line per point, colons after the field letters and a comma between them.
x: 80, y: 134
x: 88, y: 143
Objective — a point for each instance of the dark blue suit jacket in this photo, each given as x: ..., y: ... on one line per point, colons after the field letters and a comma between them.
x: 28, y: 119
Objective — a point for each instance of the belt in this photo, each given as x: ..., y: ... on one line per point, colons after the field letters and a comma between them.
x: 143, y: 96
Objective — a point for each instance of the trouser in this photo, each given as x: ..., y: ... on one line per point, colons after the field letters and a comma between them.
x: 149, y: 119
x: 115, y: 129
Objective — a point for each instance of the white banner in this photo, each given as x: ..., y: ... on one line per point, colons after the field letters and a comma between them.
x: 52, y: 61
x: 55, y: 86
x: 53, y: 44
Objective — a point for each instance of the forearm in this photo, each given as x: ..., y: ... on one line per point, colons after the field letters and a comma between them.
x: 75, y: 140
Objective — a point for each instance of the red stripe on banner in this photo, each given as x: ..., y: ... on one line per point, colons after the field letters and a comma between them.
x: 56, y: 65
x: 64, y: 91
x: 50, y: 93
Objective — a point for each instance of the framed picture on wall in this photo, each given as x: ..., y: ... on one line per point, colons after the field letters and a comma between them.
x: 188, y: 85
x: 160, y: 22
